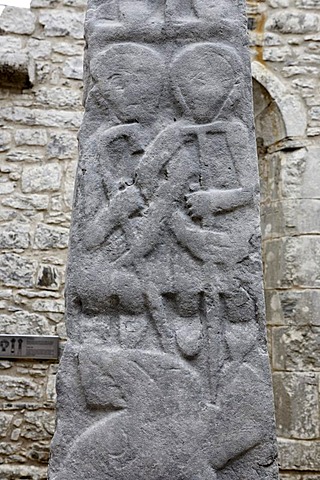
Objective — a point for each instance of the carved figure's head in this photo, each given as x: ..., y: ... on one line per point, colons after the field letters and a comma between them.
x: 204, y: 76
x: 130, y: 77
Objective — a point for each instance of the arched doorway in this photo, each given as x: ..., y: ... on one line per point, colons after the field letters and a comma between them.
x: 290, y: 218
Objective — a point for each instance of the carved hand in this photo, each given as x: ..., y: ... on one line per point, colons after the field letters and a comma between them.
x: 198, y: 203
x: 217, y: 201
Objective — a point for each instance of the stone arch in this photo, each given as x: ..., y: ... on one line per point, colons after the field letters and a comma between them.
x: 287, y: 103
x: 290, y: 211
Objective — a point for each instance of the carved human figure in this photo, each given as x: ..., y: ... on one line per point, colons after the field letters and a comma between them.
x: 129, y: 79
x: 179, y: 196
x: 175, y: 166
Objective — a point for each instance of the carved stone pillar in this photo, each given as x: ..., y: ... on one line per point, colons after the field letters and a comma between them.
x: 165, y: 375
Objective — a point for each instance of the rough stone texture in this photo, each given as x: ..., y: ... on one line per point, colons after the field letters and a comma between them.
x: 166, y: 373
x: 285, y: 43
x: 290, y: 66
x: 38, y: 154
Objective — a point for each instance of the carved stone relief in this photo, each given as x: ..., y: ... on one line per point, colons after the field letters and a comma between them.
x: 166, y: 372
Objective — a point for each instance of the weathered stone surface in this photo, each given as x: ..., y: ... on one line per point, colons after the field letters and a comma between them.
x: 293, y: 22
x: 58, y: 97
x: 39, y: 48
x: 61, y: 146
x: 293, y: 307
x: 61, y: 23
x: 25, y: 323
x: 47, y: 237
x: 41, y: 178
x: 74, y: 68
x: 30, y: 137
x: 296, y: 348
x: 5, y: 421
x: 166, y: 371
x: 297, y: 401
x: 27, y: 202
x: 299, y: 455
x: 16, y: 271
x: 5, y: 139
x: 46, y: 118
x: 291, y: 261
x: 15, y: 388
x: 14, y: 235
x: 8, y: 472
x: 38, y: 425
x: 17, y: 20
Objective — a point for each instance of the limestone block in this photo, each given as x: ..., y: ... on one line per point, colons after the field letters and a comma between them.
x: 47, y: 237
x: 5, y: 139
x: 75, y: 3
x: 17, y: 20
x: 312, y: 4
x: 66, y: 48
x: 25, y: 156
x: 45, y: 118
x: 38, y: 452
x: 293, y: 22
x: 73, y: 68
x: 299, y: 455
x: 296, y: 348
x: 62, y: 23
x: 18, y: 472
x: 16, y: 271
x: 290, y: 262
x: 7, y: 187
x: 62, y: 146
x: 277, y: 54
x: 44, y: 3
x: 5, y: 421
x: 38, y: 425
x: 297, y: 401
x: 270, y: 174
x: 26, y: 202
x: 39, y: 48
x: 14, y: 235
x: 30, y: 137
x: 11, y: 44
x: 290, y: 217
x: 279, y: 3
x: 17, y: 70
x: 293, y: 307
x: 69, y: 184
x: 25, y: 323
x: 41, y: 178
x: 58, y: 97
x: 294, y: 166
x: 17, y: 388
x: 54, y: 306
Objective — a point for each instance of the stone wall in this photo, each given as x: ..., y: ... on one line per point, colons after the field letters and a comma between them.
x: 37, y: 164
x: 285, y: 40
x: 38, y: 147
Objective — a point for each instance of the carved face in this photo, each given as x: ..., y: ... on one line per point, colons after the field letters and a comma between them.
x: 130, y: 78
x: 202, y: 81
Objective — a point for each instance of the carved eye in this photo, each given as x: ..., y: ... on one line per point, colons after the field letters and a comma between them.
x: 117, y: 81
